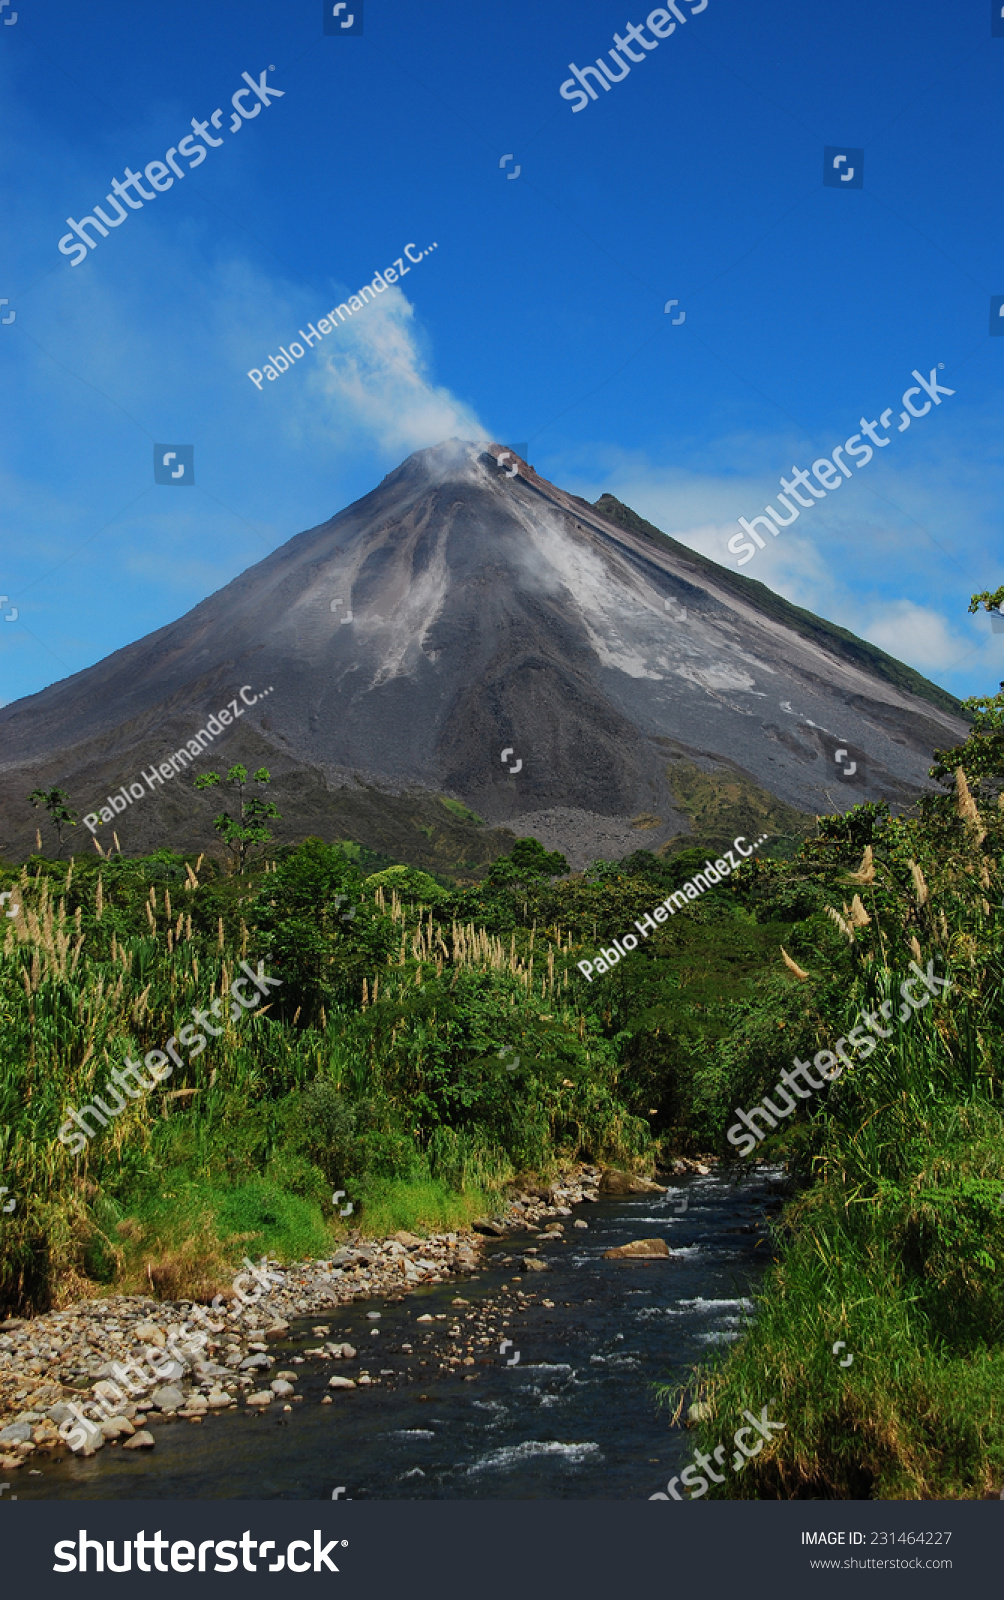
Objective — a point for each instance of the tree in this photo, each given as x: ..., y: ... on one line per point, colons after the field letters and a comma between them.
x: 981, y: 756
x: 57, y: 804
x: 990, y: 602
x: 528, y: 863
x: 241, y: 833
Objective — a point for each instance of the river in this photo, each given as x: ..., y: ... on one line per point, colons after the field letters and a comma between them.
x: 565, y: 1411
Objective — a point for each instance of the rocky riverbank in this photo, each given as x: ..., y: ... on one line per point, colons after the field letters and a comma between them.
x: 200, y: 1360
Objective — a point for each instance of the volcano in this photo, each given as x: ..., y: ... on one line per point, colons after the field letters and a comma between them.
x: 469, y: 637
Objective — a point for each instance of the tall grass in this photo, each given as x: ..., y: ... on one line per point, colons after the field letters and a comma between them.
x: 895, y: 1244
x: 387, y: 1080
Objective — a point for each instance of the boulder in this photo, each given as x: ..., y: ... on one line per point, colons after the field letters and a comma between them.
x: 486, y: 1225
x: 639, y: 1250
x: 614, y: 1181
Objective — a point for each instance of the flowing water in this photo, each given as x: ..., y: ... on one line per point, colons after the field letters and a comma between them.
x: 566, y: 1411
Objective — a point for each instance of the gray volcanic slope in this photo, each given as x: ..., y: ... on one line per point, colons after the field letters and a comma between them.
x: 487, y: 611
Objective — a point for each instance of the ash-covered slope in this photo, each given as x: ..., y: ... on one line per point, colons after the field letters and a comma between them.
x: 489, y: 612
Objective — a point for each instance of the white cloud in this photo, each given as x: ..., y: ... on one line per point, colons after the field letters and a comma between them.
x: 914, y: 634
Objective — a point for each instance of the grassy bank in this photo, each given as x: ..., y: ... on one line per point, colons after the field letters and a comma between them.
x: 894, y: 1242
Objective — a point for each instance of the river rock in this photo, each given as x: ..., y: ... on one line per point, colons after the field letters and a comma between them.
x: 638, y: 1250
x: 486, y: 1225
x: 281, y: 1388
x: 531, y: 1264
x: 139, y: 1441
x: 251, y: 1362
x: 217, y: 1399
x: 338, y: 1382
x: 89, y: 1438
x: 149, y: 1333
x: 15, y: 1433
x: 614, y: 1181
x: 579, y: 1223
x: 167, y: 1397
x: 117, y: 1428
x: 264, y: 1397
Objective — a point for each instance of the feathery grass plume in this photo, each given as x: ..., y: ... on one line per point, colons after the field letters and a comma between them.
x: 98, y: 848
x: 38, y: 839
x: 866, y: 871
x: 967, y: 806
x: 919, y: 884
x: 915, y: 947
x: 792, y: 966
x: 857, y: 913
x: 846, y: 930
x: 99, y: 902
x: 150, y: 918
x: 943, y: 925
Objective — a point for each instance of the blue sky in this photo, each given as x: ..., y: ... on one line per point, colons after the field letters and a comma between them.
x: 539, y: 315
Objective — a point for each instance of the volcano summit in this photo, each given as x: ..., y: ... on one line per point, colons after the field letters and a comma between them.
x: 469, y: 632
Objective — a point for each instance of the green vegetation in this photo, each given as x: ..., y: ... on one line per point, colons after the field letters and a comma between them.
x: 244, y: 833
x: 380, y: 1066
x: 894, y: 1242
